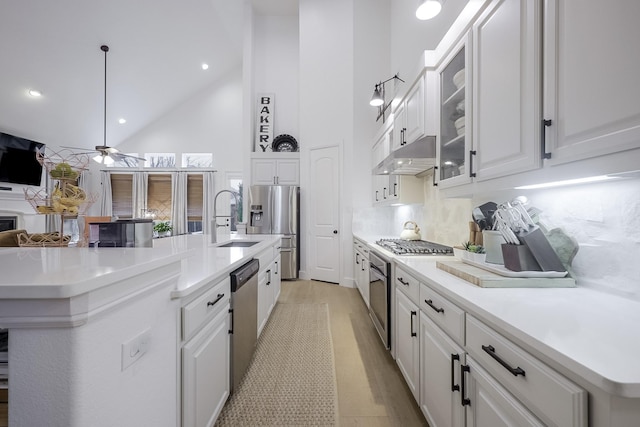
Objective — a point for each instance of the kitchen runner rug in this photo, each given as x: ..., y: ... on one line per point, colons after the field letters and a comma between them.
x: 291, y: 380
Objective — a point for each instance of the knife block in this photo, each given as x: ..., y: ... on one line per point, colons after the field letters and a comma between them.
x: 519, y: 258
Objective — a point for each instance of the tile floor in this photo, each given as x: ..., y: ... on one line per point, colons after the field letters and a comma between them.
x: 371, y: 389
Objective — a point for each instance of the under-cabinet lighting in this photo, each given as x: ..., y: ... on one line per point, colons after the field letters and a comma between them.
x: 566, y: 182
x: 35, y: 93
x: 122, y: 121
x: 205, y: 66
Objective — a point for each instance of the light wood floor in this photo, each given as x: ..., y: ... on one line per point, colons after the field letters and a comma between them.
x: 371, y: 389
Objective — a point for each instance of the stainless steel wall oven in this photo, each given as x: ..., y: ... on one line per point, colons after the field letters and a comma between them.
x: 380, y: 296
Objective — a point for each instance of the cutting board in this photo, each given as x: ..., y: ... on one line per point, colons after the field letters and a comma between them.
x: 487, y: 279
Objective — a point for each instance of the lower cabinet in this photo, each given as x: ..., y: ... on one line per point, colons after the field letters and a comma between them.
x: 361, y: 269
x: 268, y: 289
x: 440, y: 369
x: 490, y: 404
x: 206, y: 371
x: 408, y: 342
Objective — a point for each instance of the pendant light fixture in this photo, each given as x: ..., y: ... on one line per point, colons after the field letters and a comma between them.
x: 104, y: 157
x: 428, y: 9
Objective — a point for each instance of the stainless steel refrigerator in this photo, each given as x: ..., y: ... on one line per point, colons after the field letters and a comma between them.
x: 274, y: 209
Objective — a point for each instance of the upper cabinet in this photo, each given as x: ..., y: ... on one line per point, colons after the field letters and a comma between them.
x: 275, y: 169
x: 506, y: 89
x: 591, y: 93
x: 409, y: 116
x: 454, y: 146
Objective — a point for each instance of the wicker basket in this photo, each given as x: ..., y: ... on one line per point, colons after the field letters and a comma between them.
x: 43, y: 240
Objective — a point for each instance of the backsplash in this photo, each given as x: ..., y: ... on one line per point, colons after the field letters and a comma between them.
x: 604, y: 219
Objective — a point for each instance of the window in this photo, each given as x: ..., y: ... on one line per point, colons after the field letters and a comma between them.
x: 125, y: 162
x: 160, y: 160
x: 122, y: 195
x: 197, y: 160
x: 194, y: 203
x: 159, y: 195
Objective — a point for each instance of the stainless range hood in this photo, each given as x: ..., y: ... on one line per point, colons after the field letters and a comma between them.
x: 409, y: 159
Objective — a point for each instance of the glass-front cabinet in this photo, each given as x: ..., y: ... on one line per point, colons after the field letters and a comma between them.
x: 455, y: 124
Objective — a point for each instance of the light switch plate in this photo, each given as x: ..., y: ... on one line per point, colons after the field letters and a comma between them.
x: 133, y: 349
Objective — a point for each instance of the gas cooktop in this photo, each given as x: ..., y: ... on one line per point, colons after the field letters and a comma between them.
x: 414, y: 247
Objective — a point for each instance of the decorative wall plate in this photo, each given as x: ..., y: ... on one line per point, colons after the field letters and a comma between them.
x: 284, y: 142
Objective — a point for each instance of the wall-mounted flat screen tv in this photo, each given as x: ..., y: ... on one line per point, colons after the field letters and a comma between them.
x: 18, y: 163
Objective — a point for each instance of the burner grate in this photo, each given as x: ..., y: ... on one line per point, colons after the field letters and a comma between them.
x: 414, y: 247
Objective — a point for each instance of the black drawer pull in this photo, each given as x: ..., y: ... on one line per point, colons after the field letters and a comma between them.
x: 464, y: 401
x: 454, y: 386
x: 430, y: 304
x: 413, y: 313
x: 401, y: 280
x: 492, y: 352
x: 220, y: 296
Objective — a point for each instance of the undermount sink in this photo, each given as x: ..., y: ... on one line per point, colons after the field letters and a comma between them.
x: 238, y: 244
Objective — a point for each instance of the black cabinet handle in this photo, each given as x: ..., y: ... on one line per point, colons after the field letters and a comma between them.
x: 377, y: 200
x: 454, y: 386
x: 435, y: 171
x: 472, y: 153
x: 492, y: 352
x: 395, y: 189
x: 269, y: 273
x: 384, y: 193
x: 231, y: 312
x: 357, y: 258
x: 413, y: 313
x: 464, y: 400
x: 215, y: 300
x: 430, y: 304
x: 543, y: 136
x: 401, y: 280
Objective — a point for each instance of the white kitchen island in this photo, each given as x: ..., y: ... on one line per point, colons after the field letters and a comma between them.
x: 94, y: 333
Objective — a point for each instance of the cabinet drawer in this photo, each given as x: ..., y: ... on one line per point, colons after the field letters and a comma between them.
x: 552, y: 397
x: 202, y: 309
x: 407, y: 284
x: 444, y: 313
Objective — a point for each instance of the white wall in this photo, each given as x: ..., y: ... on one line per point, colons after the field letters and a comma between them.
x: 275, y: 62
x: 210, y: 122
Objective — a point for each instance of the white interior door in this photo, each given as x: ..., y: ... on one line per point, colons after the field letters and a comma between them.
x: 324, y: 203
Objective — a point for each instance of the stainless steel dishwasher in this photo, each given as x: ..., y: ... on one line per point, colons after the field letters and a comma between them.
x: 244, y: 319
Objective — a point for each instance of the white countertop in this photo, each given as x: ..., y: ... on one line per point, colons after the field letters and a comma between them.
x: 588, y: 332
x: 207, y: 261
x: 48, y: 273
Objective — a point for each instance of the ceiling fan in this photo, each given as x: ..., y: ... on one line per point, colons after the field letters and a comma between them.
x: 107, y: 155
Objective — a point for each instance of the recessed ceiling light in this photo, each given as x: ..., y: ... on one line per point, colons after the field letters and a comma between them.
x: 205, y: 66
x: 35, y: 93
x: 122, y: 121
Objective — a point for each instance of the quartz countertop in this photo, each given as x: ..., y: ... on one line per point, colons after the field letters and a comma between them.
x: 50, y: 273
x: 586, y: 331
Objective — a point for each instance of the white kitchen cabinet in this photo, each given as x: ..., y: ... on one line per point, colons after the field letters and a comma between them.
x: 269, y: 280
x: 206, y: 355
x: 275, y: 169
x: 506, y: 89
x: 407, y: 341
x: 551, y: 397
x: 489, y: 404
x: 361, y: 269
x: 409, y: 116
x: 591, y: 92
x: 440, y: 368
x: 454, y: 139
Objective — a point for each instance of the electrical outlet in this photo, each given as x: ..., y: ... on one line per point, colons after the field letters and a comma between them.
x: 133, y: 349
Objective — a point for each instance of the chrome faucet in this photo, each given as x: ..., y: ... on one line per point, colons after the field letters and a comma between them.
x: 214, y: 223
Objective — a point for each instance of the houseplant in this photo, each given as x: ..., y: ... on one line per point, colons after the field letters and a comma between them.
x: 163, y: 228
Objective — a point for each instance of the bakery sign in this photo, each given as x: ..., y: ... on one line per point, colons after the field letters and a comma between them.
x: 264, y: 121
